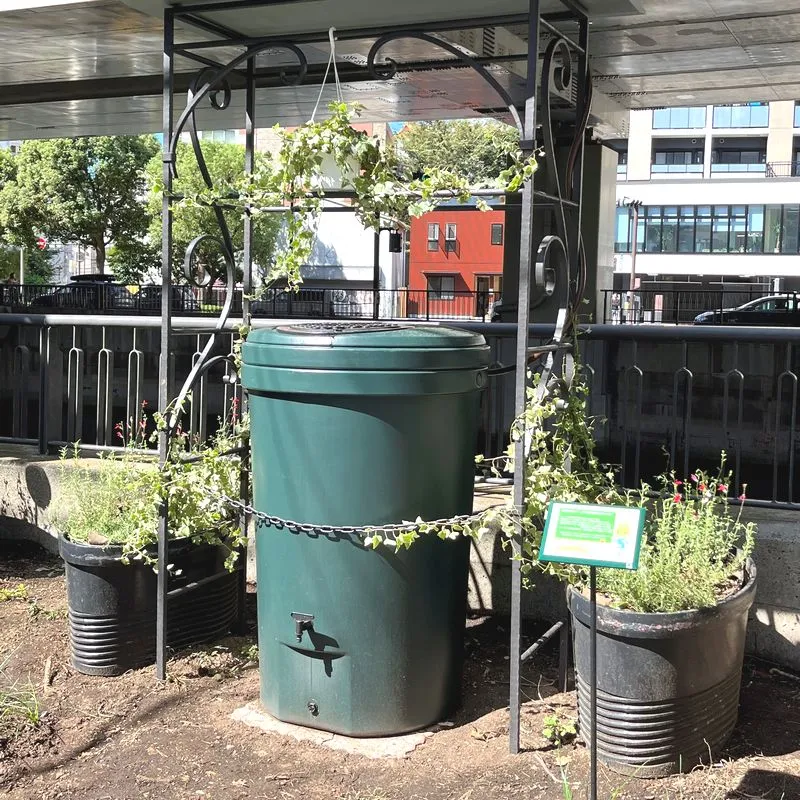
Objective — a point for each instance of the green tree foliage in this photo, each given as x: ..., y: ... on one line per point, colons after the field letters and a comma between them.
x: 476, y: 150
x: 38, y: 264
x: 87, y: 191
x: 225, y: 164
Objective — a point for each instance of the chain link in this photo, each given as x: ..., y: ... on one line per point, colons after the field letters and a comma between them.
x: 355, y: 530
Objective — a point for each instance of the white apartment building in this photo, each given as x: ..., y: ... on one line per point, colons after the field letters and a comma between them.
x: 719, y: 194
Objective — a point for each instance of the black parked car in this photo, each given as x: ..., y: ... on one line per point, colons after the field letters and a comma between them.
x: 86, y: 293
x: 776, y: 309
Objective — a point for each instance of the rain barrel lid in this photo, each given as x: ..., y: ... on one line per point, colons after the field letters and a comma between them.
x: 384, y: 346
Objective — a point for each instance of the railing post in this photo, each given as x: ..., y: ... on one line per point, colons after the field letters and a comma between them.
x: 427, y: 304
x: 43, y: 388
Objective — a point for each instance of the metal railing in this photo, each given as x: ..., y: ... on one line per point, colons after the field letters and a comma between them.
x: 783, y: 169
x: 672, y: 306
x: 668, y: 396
x: 307, y: 302
x: 674, y: 397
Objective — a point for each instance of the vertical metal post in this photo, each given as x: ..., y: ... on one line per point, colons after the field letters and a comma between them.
x: 249, y: 163
x: 44, y: 363
x: 247, y: 287
x: 165, y: 361
x: 376, y: 275
x: 521, y: 386
x: 593, y: 687
x: 634, y: 248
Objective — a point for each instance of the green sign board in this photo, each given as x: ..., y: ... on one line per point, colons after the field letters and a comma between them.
x: 598, y: 536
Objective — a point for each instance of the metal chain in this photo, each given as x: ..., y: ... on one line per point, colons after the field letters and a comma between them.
x: 358, y: 530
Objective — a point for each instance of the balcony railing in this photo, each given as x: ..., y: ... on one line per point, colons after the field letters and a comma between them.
x: 783, y: 169
x: 668, y: 395
x: 735, y: 168
x: 676, y: 169
x: 309, y: 301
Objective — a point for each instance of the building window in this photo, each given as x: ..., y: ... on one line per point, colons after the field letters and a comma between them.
x: 433, y: 236
x: 497, y: 233
x: 742, y: 115
x: 739, y: 160
x: 670, y: 161
x: 450, y: 237
x: 711, y: 229
x: 441, y: 287
x: 797, y: 115
x: 622, y: 162
x: 684, y: 117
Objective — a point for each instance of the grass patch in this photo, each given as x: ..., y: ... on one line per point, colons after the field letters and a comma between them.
x: 19, y: 704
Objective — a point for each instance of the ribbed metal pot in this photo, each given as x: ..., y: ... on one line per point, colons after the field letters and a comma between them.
x: 668, y: 684
x: 112, y: 606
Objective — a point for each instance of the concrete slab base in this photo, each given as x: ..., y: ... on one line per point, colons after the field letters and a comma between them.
x: 388, y: 747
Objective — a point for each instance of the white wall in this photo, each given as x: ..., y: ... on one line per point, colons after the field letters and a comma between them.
x: 720, y: 191
x: 728, y: 264
x: 344, y: 250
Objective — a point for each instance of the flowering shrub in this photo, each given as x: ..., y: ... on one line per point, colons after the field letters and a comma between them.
x: 694, y: 549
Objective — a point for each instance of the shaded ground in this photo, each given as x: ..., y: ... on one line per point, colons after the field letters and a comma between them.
x: 129, y: 737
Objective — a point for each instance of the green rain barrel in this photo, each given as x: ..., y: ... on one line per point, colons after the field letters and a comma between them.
x: 361, y: 424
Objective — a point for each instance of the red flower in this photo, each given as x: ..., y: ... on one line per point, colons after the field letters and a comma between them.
x: 701, y: 487
x: 677, y: 498
x: 677, y: 483
x: 144, y: 403
x: 695, y: 478
x: 743, y: 496
x: 722, y: 488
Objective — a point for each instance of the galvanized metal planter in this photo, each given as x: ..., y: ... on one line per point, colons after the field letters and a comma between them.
x: 668, y: 684
x: 112, y: 606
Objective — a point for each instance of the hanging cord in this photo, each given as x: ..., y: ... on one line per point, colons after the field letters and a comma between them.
x: 331, y: 61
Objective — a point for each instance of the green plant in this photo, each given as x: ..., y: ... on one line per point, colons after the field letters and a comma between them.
x: 18, y: 592
x: 19, y: 704
x: 694, y: 545
x: 558, y: 731
x: 384, y: 193
x: 115, y: 499
x: 555, y: 437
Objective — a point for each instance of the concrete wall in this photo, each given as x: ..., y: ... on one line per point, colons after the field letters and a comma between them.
x: 29, y: 487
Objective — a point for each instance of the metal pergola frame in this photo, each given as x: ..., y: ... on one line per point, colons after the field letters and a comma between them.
x: 554, y: 263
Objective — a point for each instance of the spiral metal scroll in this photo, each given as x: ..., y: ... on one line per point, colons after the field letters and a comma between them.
x: 213, y: 83
x: 560, y: 261
x: 388, y: 69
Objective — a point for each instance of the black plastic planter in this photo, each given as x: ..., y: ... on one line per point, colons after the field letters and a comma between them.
x: 667, y: 684
x: 112, y: 606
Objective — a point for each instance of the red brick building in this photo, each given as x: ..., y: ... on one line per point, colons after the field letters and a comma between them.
x: 455, y: 262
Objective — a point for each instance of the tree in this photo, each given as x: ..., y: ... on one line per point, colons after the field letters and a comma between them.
x: 477, y: 150
x: 225, y: 164
x: 87, y: 191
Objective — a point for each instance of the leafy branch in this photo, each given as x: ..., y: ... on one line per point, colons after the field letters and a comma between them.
x: 294, y: 183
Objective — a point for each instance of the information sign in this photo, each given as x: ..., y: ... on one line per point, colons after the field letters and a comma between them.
x: 592, y: 535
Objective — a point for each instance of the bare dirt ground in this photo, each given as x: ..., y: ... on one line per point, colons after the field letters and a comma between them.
x: 131, y: 737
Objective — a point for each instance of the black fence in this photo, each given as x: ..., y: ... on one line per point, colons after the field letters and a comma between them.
x: 279, y: 303
x: 664, y: 396
x: 683, y: 306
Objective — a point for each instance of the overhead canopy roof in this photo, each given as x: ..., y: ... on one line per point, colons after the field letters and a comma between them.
x: 95, y: 66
